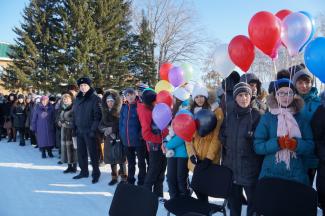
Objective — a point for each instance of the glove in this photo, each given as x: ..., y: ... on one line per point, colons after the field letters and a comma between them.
x: 195, y: 159
x: 107, y: 131
x: 292, y: 144
x: 205, y: 163
x: 282, y: 141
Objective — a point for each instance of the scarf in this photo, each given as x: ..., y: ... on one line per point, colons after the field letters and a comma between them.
x: 287, y: 125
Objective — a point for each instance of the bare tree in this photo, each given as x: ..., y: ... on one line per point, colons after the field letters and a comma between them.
x: 175, y: 30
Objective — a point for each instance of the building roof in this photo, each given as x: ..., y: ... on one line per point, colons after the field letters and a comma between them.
x: 4, y: 50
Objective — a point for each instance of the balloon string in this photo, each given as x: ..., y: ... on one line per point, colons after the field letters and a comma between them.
x: 274, y: 67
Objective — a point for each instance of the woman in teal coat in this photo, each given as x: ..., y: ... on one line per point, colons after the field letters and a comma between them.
x: 283, y: 136
x: 303, y: 82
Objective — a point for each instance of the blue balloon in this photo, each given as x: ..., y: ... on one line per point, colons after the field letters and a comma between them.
x: 184, y: 111
x: 313, y: 30
x: 315, y: 57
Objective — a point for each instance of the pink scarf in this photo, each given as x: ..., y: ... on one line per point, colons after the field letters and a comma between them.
x: 287, y: 125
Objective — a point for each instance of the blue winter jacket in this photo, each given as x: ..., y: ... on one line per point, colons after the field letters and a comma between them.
x: 178, y: 145
x: 312, y: 101
x: 266, y: 143
x: 129, y: 126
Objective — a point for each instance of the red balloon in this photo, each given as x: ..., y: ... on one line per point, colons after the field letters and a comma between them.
x: 283, y: 13
x: 242, y: 52
x: 164, y: 70
x: 164, y: 97
x: 264, y: 31
x: 184, y: 126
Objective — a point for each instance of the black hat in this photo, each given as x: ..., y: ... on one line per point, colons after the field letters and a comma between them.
x: 20, y: 96
x: 242, y: 87
x: 84, y: 80
x: 52, y: 98
x: 149, y: 96
x: 99, y: 91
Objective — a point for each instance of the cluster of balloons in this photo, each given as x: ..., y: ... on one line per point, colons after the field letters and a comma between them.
x: 171, y: 77
x: 267, y: 32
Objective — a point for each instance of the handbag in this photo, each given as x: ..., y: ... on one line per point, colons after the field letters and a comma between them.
x: 7, y: 124
x: 116, y: 153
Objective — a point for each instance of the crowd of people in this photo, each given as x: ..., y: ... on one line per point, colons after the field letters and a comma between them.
x: 276, y: 133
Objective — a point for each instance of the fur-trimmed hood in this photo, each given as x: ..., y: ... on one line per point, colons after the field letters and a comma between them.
x: 117, y: 104
x: 297, y: 103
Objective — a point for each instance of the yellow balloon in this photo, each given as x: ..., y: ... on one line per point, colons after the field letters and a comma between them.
x: 163, y: 85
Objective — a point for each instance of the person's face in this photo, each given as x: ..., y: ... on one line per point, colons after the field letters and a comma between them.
x: 84, y: 88
x: 28, y: 100
x: 110, y: 104
x: 199, y: 100
x: 130, y: 97
x: 303, y: 86
x: 67, y: 101
x: 253, y: 88
x: 11, y: 98
x: 45, y: 102
x: 284, y: 96
x: 243, y: 99
x: 21, y: 100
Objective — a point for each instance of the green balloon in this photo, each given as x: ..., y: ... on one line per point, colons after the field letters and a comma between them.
x: 188, y: 71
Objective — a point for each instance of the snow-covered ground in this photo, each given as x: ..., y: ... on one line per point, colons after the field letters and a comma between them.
x: 30, y: 185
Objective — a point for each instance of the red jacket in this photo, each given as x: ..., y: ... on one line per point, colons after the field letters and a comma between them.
x: 145, y: 117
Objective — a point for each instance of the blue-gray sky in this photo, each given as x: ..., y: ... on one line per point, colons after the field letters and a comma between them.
x: 221, y: 19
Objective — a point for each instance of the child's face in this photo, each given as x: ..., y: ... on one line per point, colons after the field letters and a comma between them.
x: 130, y: 97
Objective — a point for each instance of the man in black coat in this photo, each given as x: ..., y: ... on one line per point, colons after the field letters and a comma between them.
x: 87, y: 115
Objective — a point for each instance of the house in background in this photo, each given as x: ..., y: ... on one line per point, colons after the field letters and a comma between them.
x: 4, y: 62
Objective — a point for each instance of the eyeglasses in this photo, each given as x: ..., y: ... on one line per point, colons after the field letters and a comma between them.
x: 285, y: 94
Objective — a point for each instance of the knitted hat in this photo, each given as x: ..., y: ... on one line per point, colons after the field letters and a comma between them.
x: 110, y: 98
x: 129, y: 91
x: 84, y: 80
x: 283, y: 83
x: 301, y: 73
x: 181, y: 94
x: 149, y: 96
x: 199, y: 90
x: 242, y: 87
x: 44, y: 97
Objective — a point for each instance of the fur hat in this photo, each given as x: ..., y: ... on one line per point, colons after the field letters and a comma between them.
x: 84, y: 80
x: 283, y: 83
x: 242, y: 87
x: 200, y: 90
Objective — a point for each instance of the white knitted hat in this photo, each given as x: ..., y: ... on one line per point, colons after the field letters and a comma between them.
x: 200, y: 90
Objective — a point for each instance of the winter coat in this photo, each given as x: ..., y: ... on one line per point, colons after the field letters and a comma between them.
x: 228, y: 84
x: 236, y: 136
x: 150, y: 133
x: 18, y: 114
x: 318, y: 127
x: 57, y: 111
x: 312, y: 102
x: 65, y: 122
x: 129, y: 125
x: 87, y: 112
x: 110, y: 119
x: 208, y: 146
x: 43, y: 124
x: 177, y: 144
x: 28, y: 114
x: 266, y: 143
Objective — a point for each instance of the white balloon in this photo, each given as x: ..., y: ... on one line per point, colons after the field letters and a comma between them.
x: 221, y: 61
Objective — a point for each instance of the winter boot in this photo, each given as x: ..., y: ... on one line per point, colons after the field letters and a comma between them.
x: 69, y: 169
x: 74, y: 168
x: 113, y: 181
x: 43, y: 153
x: 49, y: 152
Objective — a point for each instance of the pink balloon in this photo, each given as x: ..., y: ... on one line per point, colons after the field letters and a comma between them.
x: 176, y: 76
x: 296, y: 29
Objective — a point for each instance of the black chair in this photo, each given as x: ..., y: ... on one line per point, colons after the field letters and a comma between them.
x: 281, y: 197
x: 214, y: 181
x: 134, y: 201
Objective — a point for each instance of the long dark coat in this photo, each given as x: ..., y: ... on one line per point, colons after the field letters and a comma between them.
x: 43, y: 124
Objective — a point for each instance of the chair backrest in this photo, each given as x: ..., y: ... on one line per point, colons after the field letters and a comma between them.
x: 283, y: 197
x: 133, y: 200
x: 214, y: 181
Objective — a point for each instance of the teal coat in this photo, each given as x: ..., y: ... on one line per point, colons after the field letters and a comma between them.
x: 266, y: 143
x: 178, y: 145
x: 312, y: 102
